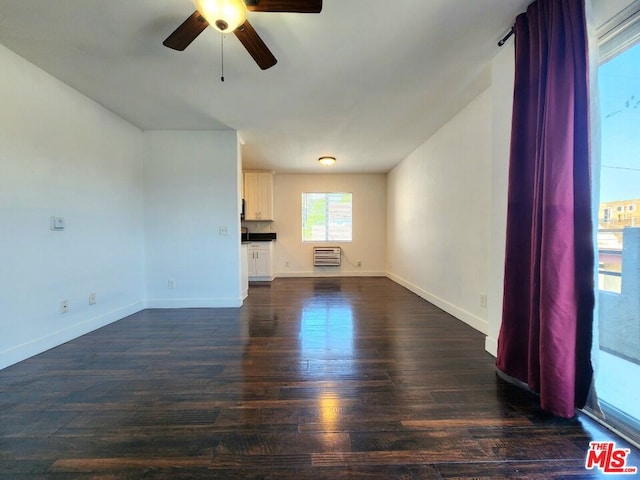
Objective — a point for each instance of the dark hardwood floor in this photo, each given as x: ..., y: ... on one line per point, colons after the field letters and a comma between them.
x: 311, y: 379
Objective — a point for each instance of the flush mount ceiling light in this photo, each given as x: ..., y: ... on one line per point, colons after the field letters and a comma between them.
x: 327, y: 161
x: 223, y: 15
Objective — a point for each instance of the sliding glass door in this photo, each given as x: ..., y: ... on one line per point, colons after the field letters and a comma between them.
x: 618, y: 237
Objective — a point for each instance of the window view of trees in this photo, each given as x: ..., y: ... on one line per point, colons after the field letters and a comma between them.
x: 326, y: 217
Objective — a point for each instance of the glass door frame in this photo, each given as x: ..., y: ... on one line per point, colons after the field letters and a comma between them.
x: 614, y: 38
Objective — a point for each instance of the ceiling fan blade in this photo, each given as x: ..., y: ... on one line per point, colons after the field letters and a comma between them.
x: 187, y: 32
x: 255, y: 46
x: 294, y: 6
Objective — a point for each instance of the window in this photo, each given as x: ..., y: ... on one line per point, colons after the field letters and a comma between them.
x: 326, y: 217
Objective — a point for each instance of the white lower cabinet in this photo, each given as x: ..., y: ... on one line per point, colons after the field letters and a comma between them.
x: 260, y: 261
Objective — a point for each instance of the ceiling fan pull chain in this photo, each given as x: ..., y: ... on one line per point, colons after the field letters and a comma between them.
x: 222, y: 55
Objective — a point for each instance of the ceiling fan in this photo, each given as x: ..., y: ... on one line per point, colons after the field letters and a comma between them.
x: 231, y: 16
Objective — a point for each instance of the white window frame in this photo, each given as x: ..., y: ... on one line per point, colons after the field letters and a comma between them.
x: 327, y: 220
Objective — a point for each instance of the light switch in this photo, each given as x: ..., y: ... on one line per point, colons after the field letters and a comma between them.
x: 57, y: 224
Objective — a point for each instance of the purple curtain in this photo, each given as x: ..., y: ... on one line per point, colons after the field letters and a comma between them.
x: 547, y: 317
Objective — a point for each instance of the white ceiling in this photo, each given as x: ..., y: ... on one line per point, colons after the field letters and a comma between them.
x: 363, y: 80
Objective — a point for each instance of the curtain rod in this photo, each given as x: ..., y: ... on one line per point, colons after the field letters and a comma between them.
x: 506, y: 37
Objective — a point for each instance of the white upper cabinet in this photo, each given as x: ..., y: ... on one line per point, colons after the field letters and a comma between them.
x: 258, y: 196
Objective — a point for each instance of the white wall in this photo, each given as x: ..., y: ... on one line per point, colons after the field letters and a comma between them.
x: 123, y: 193
x: 439, y: 215
x: 295, y: 258
x: 190, y: 191
x: 62, y: 154
x: 502, y: 74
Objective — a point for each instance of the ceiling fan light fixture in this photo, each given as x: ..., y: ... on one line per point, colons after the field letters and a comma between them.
x: 223, y: 15
x: 327, y: 161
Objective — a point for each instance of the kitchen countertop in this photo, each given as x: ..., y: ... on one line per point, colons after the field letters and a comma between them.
x: 258, y: 237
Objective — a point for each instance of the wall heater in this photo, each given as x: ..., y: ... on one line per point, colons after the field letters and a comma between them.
x: 326, y: 256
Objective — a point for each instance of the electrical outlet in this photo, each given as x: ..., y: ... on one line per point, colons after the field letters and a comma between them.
x: 64, y: 306
x: 171, y: 284
x: 359, y: 263
x: 483, y: 299
x: 224, y: 230
x: 92, y: 298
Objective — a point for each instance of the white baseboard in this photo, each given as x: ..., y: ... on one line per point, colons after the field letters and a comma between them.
x: 470, y: 319
x: 315, y: 273
x: 194, y: 303
x: 491, y: 346
x: 38, y: 345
